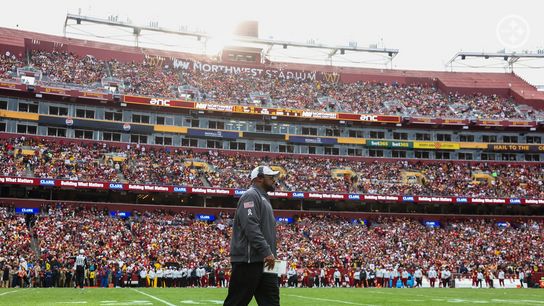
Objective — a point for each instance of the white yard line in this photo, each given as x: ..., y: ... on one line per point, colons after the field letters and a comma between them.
x: 328, y: 300
x: 154, y: 297
x: 8, y: 292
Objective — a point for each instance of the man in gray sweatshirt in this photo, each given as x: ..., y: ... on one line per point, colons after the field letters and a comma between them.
x: 253, y: 244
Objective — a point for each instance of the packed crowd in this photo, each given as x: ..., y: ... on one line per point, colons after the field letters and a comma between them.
x: 94, y: 162
x: 162, y: 80
x: 15, y: 236
x: 26, y: 157
x: 155, y: 248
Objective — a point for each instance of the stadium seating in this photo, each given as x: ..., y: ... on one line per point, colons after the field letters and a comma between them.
x: 154, y: 80
x: 62, y: 159
x: 312, y: 242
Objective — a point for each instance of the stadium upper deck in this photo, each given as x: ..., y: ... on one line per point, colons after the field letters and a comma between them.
x: 159, y: 73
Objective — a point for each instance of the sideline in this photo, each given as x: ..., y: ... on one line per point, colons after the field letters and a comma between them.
x: 328, y: 300
x: 153, y: 297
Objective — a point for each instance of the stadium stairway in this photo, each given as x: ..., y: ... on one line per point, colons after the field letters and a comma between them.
x: 34, y: 243
x: 205, y: 181
x: 29, y: 172
x: 121, y: 177
x: 282, y: 185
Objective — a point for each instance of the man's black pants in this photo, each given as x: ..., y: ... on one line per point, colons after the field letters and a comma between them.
x: 248, y: 280
x: 80, y: 274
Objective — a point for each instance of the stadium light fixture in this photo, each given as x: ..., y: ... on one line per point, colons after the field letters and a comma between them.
x: 510, y: 57
x: 205, y: 38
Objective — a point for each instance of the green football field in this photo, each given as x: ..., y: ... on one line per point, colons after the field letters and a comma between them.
x: 311, y: 296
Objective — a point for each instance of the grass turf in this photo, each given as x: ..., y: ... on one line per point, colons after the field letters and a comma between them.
x: 306, y: 296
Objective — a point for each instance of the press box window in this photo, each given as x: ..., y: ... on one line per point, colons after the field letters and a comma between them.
x: 489, y: 138
x: 533, y: 139
x: 192, y: 122
x: 375, y: 153
x: 356, y: 134
x: 3, y: 104
x: 112, y: 136
x: 464, y: 156
x: 214, y: 144
x: 26, y: 129
x: 58, y: 132
x: 377, y: 134
x: 2, y: 126
x: 283, y: 129
x: 509, y: 139
x: 355, y: 152
x: 332, y: 151
x: 264, y: 147
x: 423, y: 136
x: 219, y: 125
x: 85, y: 113
x: 398, y: 153
x: 286, y: 149
x: 58, y: 111
x: 165, y: 120
x: 508, y: 156
x: 234, y: 145
x: 332, y: 132
x: 138, y: 138
x: 309, y: 131
x: 442, y: 155
x: 28, y: 107
x: 466, y: 138
x: 443, y: 137
x: 532, y: 157
x: 165, y: 141
x: 263, y: 128
x: 137, y: 118
x: 189, y: 142
x: 487, y: 156
x: 83, y: 134
x: 113, y: 116
x: 422, y: 154
x: 398, y: 135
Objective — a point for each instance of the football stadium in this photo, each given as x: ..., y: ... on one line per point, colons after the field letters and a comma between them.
x: 128, y: 162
